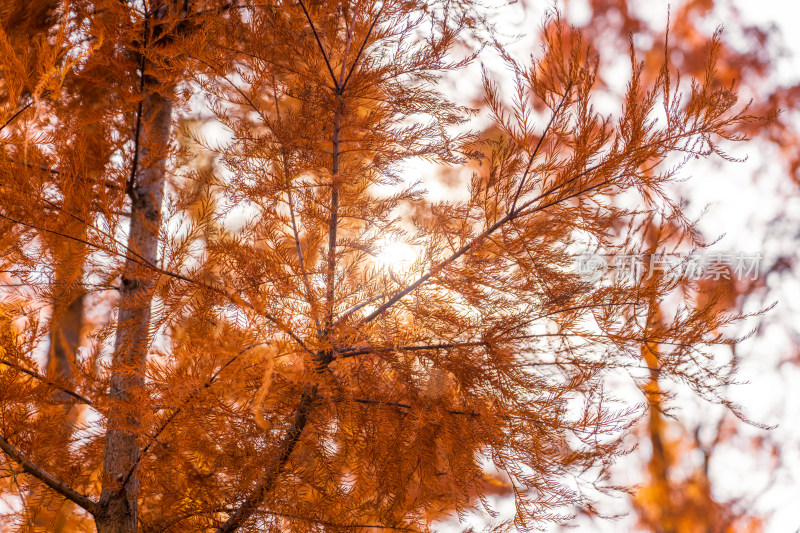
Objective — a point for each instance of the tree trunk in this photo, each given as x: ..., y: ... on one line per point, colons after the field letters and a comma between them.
x: 120, y: 477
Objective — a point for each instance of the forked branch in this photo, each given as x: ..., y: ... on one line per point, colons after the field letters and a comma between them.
x: 361, y: 49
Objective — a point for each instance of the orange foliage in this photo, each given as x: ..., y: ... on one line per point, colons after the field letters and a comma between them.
x: 255, y: 368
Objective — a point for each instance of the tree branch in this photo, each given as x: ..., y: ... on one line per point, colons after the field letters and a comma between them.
x: 366, y: 401
x: 48, y: 479
x: 15, y: 115
x: 147, y: 264
x: 321, y: 48
x: 361, y: 49
x: 171, y: 417
x: 36, y: 375
x: 289, y: 443
x: 337, y: 525
x: 519, y: 211
x: 538, y: 146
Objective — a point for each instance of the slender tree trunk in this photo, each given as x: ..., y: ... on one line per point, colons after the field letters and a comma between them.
x: 67, y: 321
x: 659, y: 461
x: 120, y: 492
x: 65, y: 338
x: 659, y: 464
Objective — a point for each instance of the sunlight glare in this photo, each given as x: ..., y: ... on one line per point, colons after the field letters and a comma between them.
x: 395, y: 256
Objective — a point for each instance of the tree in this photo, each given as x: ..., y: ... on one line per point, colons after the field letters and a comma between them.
x: 263, y: 372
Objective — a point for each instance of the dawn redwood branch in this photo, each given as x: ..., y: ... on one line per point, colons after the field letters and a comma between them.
x: 522, y: 210
x: 85, y: 223
x: 353, y: 352
x: 147, y: 264
x: 15, y: 115
x: 337, y: 525
x: 446, y: 262
x: 321, y: 48
x: 566, y: 310
x: 136, y: 256
x: 538, y: 146
x: 287, y: 446
x: 179, y: 409
x: 290, y: 204
x: 361, y: 49
x: 297, y: 245
x: 348, y: 42
x: 48, y: 479
x: 577, y: 363
x: 36, y: 375
x: 311, y: 520
x: 334, y: 221
x: 107, y: 183
x: 366, y: 401
x: 247, y: 99
x: 358, y: 306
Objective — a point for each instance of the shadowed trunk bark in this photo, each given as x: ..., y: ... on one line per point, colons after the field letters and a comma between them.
x: 120, y: 477
x: 65, y: 332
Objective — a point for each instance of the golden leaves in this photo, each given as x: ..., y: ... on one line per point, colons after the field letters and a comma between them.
x: 285, y: 374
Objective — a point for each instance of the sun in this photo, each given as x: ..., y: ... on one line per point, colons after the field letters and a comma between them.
x: 395, y: 256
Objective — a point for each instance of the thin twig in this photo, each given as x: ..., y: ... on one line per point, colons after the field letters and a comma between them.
x: 538, y: 146
x: 361, y: 49
x: 321, y: 48
x: 15, y: 115
x: 36, y: 375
